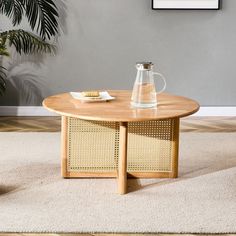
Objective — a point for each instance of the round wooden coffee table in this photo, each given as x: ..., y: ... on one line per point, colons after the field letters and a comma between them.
x: 113, y: 139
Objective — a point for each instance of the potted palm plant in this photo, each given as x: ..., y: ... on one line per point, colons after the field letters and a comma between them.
x: 42, y: 16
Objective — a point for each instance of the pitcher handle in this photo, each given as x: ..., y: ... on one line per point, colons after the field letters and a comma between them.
x: 164, y: 80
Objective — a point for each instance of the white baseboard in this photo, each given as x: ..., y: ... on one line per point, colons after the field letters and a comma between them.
x: 216, y: 111
x: 25, y: 111
x: 40, y: 111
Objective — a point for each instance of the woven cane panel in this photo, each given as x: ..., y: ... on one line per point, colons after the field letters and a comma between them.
x: 92, y: 146
x: 150, y: 146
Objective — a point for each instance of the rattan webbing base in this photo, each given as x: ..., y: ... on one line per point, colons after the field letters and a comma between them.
x: 91, y: 148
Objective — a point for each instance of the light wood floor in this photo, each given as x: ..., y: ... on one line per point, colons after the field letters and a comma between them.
x: 52, y: 124
x: 30, y: 124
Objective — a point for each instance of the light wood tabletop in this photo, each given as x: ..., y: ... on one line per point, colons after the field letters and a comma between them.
x: 120, y: 110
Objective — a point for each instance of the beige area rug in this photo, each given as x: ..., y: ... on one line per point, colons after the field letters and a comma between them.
x: 34, y: 198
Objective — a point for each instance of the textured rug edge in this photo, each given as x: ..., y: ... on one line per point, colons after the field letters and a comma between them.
x: 115, y: 232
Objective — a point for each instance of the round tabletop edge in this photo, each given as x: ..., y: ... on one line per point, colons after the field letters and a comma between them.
x: 120, y: 119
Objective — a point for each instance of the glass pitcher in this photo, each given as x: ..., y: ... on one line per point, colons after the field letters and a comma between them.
x: 144, y: 91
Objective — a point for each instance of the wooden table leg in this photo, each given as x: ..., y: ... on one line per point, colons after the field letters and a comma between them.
x: 175, y: 161
x: 64, y: 130
x: 122, y: 165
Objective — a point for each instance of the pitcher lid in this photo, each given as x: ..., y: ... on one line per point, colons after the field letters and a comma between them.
x: 144, y: 65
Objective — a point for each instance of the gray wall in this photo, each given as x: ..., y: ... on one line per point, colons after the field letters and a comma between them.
x: 195, y: 50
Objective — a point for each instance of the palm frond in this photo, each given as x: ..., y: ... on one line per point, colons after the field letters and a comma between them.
x: 42, y: 16
x: 3, y: 76
x: 28, y: 43
x: 13, y: 9
x: 3, y: 48
x: 4, y: 52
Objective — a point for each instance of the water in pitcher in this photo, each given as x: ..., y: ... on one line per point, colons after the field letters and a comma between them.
x: 144, y: 95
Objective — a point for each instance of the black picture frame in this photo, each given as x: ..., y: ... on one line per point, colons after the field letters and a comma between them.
x: 214, y: 9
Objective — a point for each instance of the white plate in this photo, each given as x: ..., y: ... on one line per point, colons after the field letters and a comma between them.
x: 104, y: 96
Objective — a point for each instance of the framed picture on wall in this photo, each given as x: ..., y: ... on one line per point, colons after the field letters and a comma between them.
x: 186, y: 4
